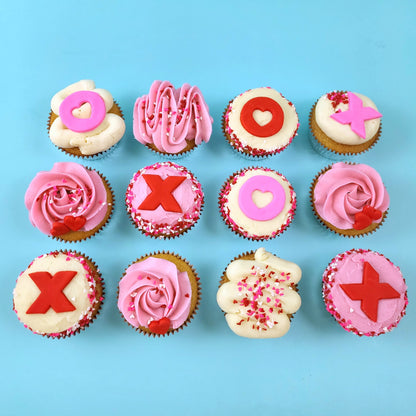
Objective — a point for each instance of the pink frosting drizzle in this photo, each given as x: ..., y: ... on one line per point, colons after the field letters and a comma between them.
x: 67, y: 189
x: 167, y: 117
x: 153, y: 289
x: 343, y: 190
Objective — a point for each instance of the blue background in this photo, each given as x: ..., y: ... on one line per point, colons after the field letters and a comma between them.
x: 302, y: 49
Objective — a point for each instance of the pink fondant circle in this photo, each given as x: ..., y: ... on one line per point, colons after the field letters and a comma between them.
x: 76, y: 100
x: 261, y: 183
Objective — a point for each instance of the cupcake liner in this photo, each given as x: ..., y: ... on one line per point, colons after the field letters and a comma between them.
x: 328, y: 282
x: 173, y: 156
x: 76, y: 236
x: 75, y: 151
x: 175, y: 234
x: 239, y: 230
x: 182, y: 265
x: 245, y: 150
x: 337, y: 151
x: 345, y: 233
x: 99, y: 296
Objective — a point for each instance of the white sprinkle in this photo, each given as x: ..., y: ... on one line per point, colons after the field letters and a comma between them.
x: 351, y: 310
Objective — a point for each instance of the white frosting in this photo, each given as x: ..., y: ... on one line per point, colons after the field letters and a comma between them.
x: 278, y: 140
x: 261, y: 199
x: 26, y: 292
x: 342, y: 133
x: 107, y: 134
x: 231, y: 294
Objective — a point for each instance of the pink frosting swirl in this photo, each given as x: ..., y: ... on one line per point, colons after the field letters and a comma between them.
x: 153, y: 289
x: 67, y: 189
x: 167, y: 117
x: 344, y: 190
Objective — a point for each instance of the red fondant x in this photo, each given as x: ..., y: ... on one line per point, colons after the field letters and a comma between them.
x: 51, y: 295
x: 161, y: 193
x: 370, y: 291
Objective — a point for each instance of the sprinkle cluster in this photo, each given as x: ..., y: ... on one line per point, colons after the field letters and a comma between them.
x: 225, y: 211
x: 183, y: 223
x: 337, y: 98
x: 258, y: 300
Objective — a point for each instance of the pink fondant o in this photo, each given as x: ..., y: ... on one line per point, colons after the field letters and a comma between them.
x: 344, y: 190
x: 168, y: 117
x: 348, y: 268
x: 356, y: 115
x: 67, y: 189
x: 153, y: 289
x: 76, y: 100
x: 261, y: 183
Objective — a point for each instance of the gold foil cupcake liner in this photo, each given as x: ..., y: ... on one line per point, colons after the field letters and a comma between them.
x: 183, y: 266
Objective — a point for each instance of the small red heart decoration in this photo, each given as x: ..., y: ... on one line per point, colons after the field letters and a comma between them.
x: 75, y: 223
x: 160, y: 327
x: 58, y: 228
x: 361, y: 221
x: 371, y: 212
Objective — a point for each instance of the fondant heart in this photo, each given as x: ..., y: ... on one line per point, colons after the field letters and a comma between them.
x: 361, y: 221
x: 371, y: 212
x: 160, y: 327
x: 58, y: 228
x: 75, y: 223
x: 262, y: 117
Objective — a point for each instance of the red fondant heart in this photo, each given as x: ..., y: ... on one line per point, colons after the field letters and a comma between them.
x: 58, y: 228
x: 75, y: 223
x: 361, y: 221
x: 374, y: 214
x: 160, y: 327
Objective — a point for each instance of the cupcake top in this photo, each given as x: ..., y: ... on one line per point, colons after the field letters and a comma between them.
x: 365, y: 292
x: 156, y: 296
x: 260, y: 122
x: 350, y: 197
x: 69, y: 198
x: 164, y: 199
x: 172, y: 120
x: 86, y: 118
x: 347, y: 118
x: 259, y: 295
x: 258, y: 203
x: 58, y: 294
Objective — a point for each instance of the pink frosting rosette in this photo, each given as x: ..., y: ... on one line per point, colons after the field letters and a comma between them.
x: 344, y: 190
x: 68, y: 189
x: 154, y: 291
x: 168, y: 117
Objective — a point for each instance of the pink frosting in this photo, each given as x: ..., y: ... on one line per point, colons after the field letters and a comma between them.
x: 348, y: 268
x: 167, y: 117
x: 153, y: 289
x: 343, y: 191
x: 67, y: 189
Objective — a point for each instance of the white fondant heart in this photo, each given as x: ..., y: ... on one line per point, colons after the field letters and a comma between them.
x: 261, y: 199
x: 262, y: 117
x: 82, y: 112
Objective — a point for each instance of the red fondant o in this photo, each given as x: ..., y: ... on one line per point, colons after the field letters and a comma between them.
x: 75, y: 223
x: 51, y: 295
x: 160, y: 327
x: 58, y: 228
x: 161, y: 193
x: 262, y: 104
x: 370, y: 291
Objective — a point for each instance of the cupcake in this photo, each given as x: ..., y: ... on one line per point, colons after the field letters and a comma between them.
x: 257, y: 203
x: 69, y: 202
x: 171, y: 121
x: 260, y: 122
x: 159, y: 294
x: 258, y: 294
x: 365, y: 292
x: 85, y: 121
x: 349, y: 199
x: 344, y: 123
x: 164, y: 200
x: 59, y: 294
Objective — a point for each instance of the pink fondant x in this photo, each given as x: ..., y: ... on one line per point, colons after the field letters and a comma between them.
x: 356, y: 115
